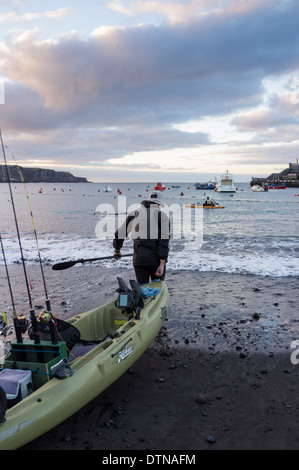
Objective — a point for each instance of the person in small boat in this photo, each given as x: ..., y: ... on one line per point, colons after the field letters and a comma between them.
x: 150, y: 231
x: 208, y: 202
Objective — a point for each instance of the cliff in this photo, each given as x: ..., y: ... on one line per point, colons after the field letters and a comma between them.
x: 38, y: 175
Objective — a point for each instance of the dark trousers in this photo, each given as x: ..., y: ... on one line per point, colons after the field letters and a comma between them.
x: 145, y: 273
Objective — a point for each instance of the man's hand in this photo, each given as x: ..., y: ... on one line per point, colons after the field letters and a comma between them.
x: 117, y: 254
x: 160, y: 269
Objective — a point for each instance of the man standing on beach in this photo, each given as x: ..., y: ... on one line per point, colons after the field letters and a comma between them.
x: 150, y: 231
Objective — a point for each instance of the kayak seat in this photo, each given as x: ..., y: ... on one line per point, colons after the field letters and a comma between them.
x: 108, y: 324
x: 70, y: 334
x: 64, y: 332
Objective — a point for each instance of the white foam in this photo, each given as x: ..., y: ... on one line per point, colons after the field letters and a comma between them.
x: 238, y: 264
x: 229, y: 257
x: 53, y: 250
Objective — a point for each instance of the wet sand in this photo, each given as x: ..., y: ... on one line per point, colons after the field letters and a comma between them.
x: 218, y: 376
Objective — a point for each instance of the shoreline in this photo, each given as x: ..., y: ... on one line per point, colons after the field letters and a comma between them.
x: 220, y: 367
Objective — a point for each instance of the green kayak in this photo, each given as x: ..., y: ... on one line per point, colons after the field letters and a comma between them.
x: 90, y: 352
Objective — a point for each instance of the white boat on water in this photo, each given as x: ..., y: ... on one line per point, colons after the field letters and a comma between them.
x: 225, y: 184
x: 107, y: 189
x: 257, y: 188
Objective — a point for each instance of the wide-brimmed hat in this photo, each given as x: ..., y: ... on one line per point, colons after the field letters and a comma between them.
x: 156, y: 198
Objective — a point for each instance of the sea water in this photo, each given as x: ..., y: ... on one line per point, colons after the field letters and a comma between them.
x: 255, y: 233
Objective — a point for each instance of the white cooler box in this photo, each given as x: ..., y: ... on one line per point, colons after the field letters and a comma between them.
x: 17, y: 385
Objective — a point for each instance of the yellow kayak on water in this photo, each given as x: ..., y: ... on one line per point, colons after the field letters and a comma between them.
x: 93, y: 349
x: 198, y: 206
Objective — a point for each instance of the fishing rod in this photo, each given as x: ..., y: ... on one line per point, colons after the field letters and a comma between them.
x: 48, y: 306
x: 32, y: 313
x: 15, y: 316
x: 8, y: 278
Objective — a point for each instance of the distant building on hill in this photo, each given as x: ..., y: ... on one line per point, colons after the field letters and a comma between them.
x: 289, y: 176
x: 294, y: 167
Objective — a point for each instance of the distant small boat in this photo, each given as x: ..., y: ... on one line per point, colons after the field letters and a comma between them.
x: 199, y: 206
x: 159, y: 187
x: 205, y: 186
x: 176, y: 187
x: 277, y: 186
x: 257, y: 188
x: 107, y: 189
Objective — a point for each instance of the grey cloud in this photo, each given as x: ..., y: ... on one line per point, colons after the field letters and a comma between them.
x: 24, y: 110
x: 259, y: 120
x: 142, y: 80
x: 150, y: 66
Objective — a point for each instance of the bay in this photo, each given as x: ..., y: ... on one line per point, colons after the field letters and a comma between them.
x: 256, y: 233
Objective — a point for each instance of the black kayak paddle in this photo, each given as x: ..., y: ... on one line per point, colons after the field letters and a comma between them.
x: 69, y: 264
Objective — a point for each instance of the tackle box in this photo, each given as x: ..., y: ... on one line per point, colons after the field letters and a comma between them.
x: 17, y: 384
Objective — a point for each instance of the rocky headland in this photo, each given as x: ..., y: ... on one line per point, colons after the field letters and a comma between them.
x: 38, y: 175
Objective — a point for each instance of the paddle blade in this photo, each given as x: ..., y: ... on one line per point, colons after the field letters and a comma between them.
x: 65, y: 265
x: 69, y: 264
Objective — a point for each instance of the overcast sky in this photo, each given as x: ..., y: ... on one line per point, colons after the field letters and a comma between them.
x: 172, y: 90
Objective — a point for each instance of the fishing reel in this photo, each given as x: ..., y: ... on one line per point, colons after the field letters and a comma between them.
x: 46, y: 317
x: 4, y: 330
x: 46, y: 321
x: 47, y: 324
x: 22, y: 323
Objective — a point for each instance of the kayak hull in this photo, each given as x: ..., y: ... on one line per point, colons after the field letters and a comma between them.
x: 197, y: 206
x: 90, y: 374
